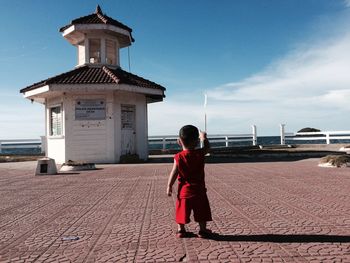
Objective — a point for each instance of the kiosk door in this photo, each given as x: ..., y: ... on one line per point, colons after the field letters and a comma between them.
x: 128, y: 134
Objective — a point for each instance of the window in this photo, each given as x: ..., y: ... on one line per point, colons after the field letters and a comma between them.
x: 128, y: 117
x: 111, y: 52
x: 94, y: 50
x: 55, y: 121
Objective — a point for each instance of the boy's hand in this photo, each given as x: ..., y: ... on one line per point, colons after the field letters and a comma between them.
x: 203, y: 138
x: 172, y: 179
x: 202, y: 135
x: 169, y: 190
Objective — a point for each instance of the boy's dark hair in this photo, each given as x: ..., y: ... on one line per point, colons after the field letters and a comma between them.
x: 189, y: 135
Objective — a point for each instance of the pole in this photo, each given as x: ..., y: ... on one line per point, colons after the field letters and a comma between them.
x: 255, y: 137
x: 129, y: 59
x: 282, y: 133
x: 205, y: 112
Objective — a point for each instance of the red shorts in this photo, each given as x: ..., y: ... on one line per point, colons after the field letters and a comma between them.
x: 199, y: 205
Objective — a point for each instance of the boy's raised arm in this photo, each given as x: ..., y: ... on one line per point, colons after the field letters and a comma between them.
x: 172, y: 179
x: 204, y: 139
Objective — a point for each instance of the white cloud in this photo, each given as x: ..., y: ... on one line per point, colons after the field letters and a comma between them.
x: 347, y: 3
x: 303, y: 89
x: 303, y: 74
x: 310, y: 86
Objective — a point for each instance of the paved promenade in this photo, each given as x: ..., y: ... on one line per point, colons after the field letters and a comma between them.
x: 263, y: 212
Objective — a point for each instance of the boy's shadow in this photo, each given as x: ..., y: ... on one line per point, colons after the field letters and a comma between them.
x: 275, y: 238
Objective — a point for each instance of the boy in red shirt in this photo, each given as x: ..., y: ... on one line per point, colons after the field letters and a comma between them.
x: 188, y: 168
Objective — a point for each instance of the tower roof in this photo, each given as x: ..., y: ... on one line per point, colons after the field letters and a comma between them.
x: 98, y: 75
x: 97, y: 18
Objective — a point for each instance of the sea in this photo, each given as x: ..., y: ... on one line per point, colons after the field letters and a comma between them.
x: 262, y: 140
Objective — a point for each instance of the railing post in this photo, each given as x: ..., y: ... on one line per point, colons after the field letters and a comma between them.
x: 255, y: 136
x: 282, y: 133
x: 0, y: 146
x: 226, y: 141
x: 328, y: 139
x: 164, y: 143
x: 43, y: 144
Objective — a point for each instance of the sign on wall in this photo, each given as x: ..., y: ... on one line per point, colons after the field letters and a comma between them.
x: 90, y: 109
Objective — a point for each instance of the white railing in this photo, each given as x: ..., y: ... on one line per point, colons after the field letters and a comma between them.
x: 326, y: 136
x: 165, y: 140
x: 23, y: 144
x: 225, y: 139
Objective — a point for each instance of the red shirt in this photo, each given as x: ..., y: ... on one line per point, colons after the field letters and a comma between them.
x: 190, y: 165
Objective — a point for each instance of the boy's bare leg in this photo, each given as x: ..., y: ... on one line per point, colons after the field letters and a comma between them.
x: 181, y: 228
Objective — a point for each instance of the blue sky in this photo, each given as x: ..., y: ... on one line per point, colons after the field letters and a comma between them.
x: 262, y: 62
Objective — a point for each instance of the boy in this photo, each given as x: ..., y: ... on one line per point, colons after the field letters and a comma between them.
x: 188, y: 168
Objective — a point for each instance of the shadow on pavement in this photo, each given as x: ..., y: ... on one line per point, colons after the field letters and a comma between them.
x: 217, y: 159
x: 62, y: 173
x: 253, y: 159
x: 281, y: 238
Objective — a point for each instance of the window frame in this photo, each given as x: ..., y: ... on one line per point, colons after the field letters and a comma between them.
x: 53, y: 134
x: 113, y: 49
x: 99, y: 51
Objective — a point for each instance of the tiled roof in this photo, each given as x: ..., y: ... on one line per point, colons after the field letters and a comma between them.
x: 96, y: 75
x: 97, y: 18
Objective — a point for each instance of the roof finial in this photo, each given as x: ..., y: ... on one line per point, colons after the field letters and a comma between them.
x: 98, y: 10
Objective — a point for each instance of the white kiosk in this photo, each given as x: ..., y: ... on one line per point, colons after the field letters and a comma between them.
x: 96, y: 112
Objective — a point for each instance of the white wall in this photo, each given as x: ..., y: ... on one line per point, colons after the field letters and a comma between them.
x: 142, y: 129
x: 90, y: 140
x: 55, y: 144
x: 56, y: 150
x: 97, y: 141
x: 81, y: 54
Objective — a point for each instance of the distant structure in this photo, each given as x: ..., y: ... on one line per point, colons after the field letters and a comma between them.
x: 96, y: 112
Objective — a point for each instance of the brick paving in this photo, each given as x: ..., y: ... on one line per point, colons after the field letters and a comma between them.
x: 263, y: 212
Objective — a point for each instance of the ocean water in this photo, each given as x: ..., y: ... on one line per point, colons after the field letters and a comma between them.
x: 262, y: 140
x: 21, y: 151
